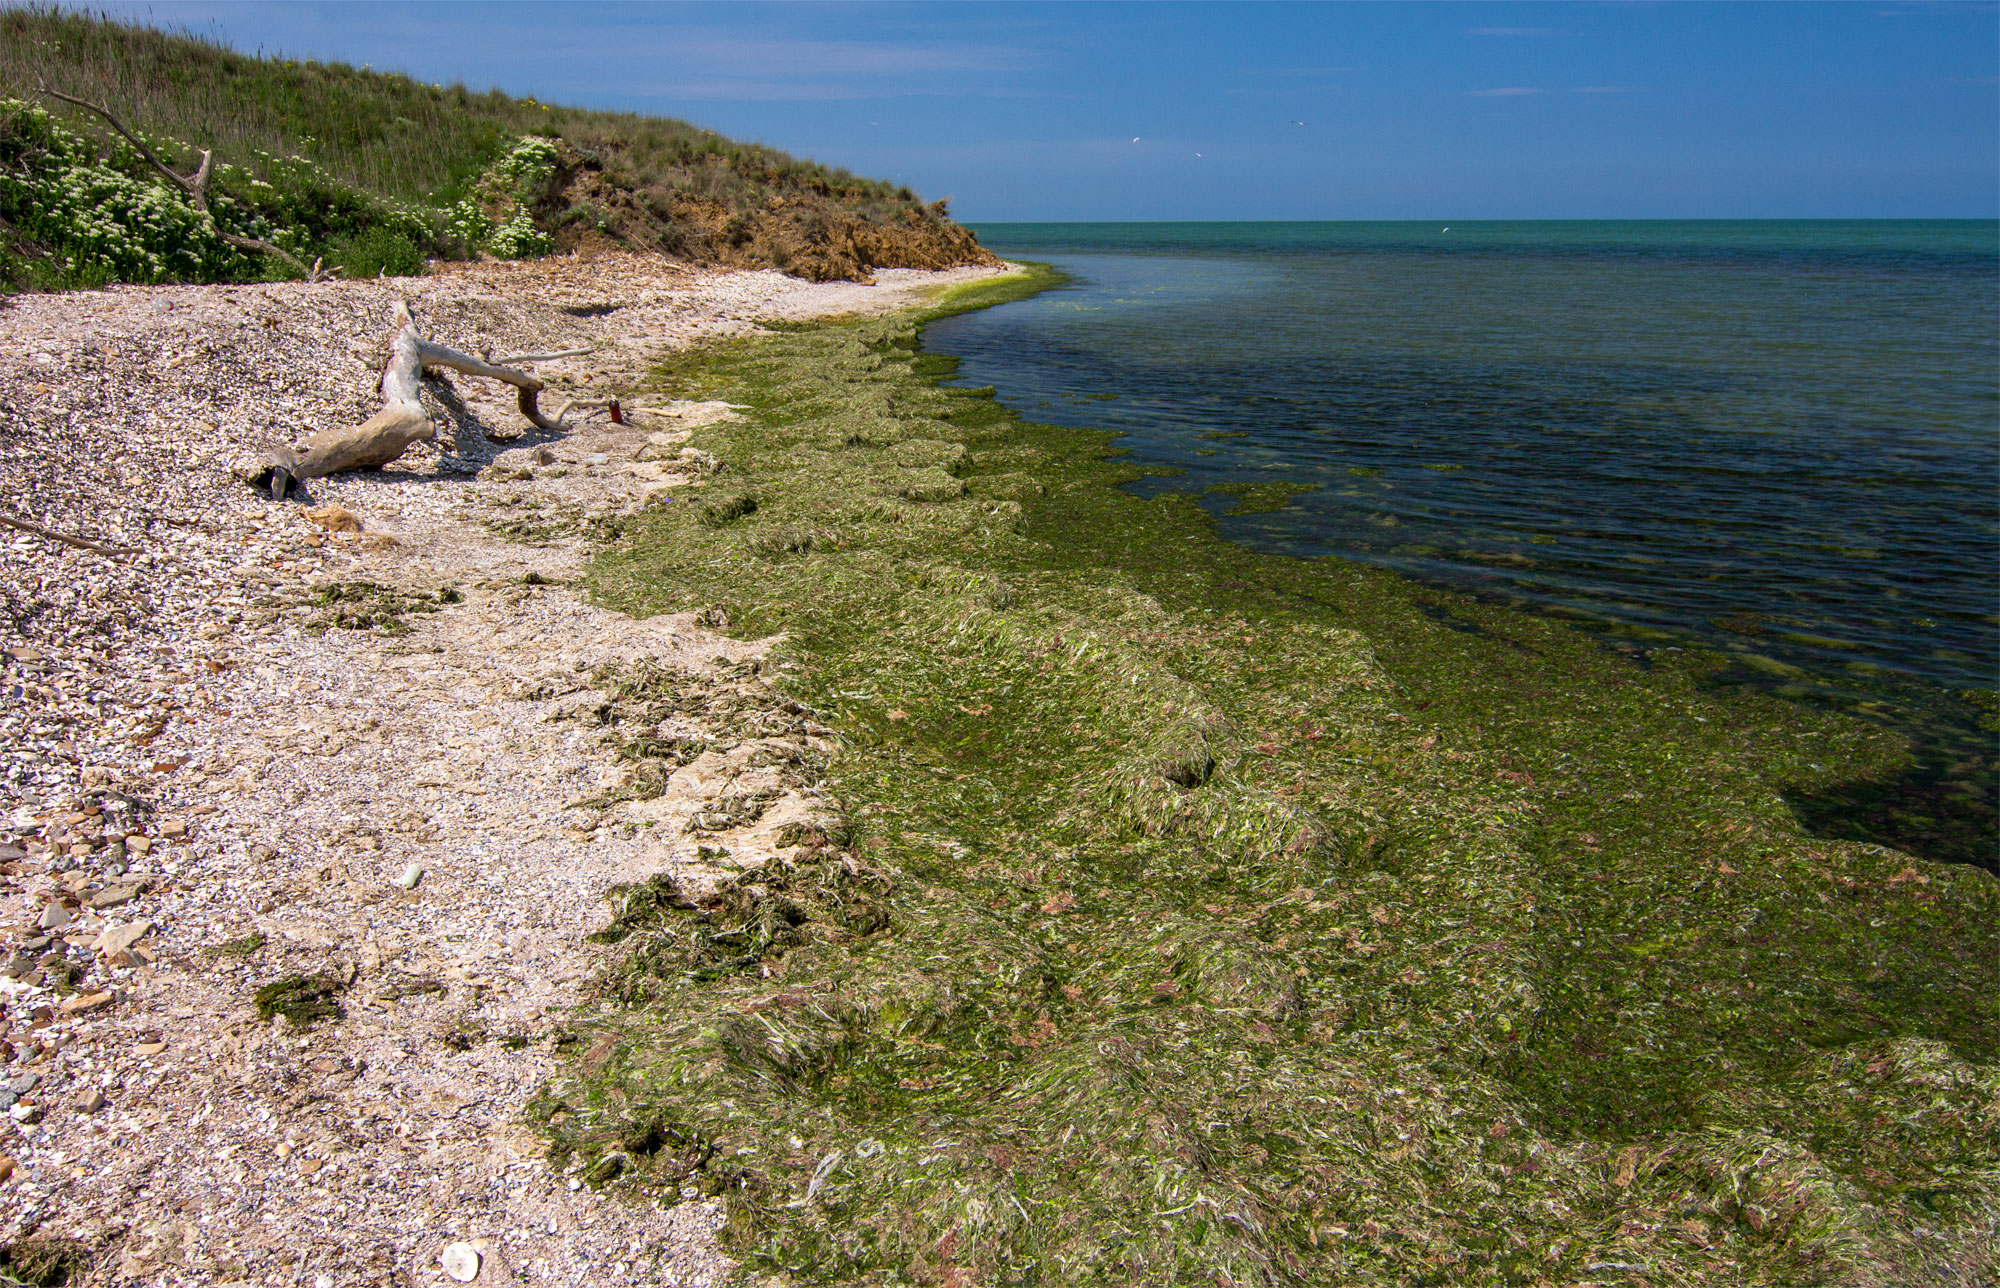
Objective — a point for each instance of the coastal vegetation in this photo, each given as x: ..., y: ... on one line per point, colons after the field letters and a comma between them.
x: 1205, y: 915
x: 376, y: 172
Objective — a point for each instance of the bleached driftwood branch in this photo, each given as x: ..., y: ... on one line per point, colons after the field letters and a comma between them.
x: 437, y: 355
x: 402, y: 421
x: 590, y: 407
x: 543, y: 357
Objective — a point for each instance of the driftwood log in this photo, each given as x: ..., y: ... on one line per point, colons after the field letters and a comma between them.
x: 402, y: 421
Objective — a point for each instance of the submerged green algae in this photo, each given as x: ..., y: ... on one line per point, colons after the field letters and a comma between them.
x: 1228, y: 918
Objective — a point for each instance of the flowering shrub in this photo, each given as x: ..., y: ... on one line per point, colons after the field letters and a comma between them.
x: 528, y: 166
x: 319, y: 210
x: 518, y: 238
x: 97, y: 221
x: 104, y: 215
x: 512, y: 186
x: 466, y: 223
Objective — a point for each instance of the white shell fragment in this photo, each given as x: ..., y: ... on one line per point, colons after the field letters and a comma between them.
x: 460, y: 1261
x: 411, y: 875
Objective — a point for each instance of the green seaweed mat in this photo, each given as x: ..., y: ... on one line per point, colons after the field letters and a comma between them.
x: 1260, y: 921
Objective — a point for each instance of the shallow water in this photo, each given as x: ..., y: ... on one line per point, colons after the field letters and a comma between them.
x: 1777, y: 438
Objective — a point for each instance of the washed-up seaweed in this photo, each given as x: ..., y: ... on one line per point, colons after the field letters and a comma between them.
x: 1206, y: 916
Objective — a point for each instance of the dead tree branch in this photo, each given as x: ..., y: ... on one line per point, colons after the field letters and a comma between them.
x: 437, y: 355
x: 266, y: 248
x: 194, y: 185
x: 80, y: 543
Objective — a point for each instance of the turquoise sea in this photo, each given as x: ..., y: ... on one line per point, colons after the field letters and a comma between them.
x: 1777, y: 439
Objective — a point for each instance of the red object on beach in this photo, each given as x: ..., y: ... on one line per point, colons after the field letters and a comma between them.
x: 617, y: 417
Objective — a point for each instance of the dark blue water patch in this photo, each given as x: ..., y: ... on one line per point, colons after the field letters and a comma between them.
x: 1775, y: 438
x: 1844, y: 246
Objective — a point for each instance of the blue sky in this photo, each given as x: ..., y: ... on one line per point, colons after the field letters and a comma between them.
x: 1261, y: 111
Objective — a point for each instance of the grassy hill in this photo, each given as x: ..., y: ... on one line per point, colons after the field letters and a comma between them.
x: 374, y: 171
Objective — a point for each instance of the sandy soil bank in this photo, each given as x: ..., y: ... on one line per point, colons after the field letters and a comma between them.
x: 211, y: 785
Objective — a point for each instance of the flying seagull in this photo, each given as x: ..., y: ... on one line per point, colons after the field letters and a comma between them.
x: 1135, y: 140
x: 1298, y: 122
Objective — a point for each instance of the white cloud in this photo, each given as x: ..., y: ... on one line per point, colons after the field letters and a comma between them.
x: 1506, y: 91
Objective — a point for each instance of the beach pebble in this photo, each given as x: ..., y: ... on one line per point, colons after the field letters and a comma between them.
x: 117, y: 939
x: 114, y: 895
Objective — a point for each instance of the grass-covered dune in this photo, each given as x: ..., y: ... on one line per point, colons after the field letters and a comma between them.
x: 1207, y: 916
x: 373, y: 171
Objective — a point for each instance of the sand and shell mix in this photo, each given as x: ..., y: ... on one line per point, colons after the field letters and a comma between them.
x: 304, y: 816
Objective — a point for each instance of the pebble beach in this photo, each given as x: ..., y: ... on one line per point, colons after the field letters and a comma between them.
x: 335, y: 753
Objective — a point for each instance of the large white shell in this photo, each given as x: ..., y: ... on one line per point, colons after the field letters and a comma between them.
x: 461, y: 1262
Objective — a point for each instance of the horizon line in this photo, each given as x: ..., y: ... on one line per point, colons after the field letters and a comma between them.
x: 1538, y: 219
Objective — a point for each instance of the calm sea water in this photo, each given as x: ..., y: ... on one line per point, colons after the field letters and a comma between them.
x: 1779, y: 438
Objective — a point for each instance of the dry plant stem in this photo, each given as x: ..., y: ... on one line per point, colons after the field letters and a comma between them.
x: 195, y: 185
x: 589, y: 406
x: 22, y: 525
x: 544, y: 357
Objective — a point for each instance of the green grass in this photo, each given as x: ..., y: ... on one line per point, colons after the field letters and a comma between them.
x: 375, y: 171
x: 378, y: 132
x: 1207, y: 916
